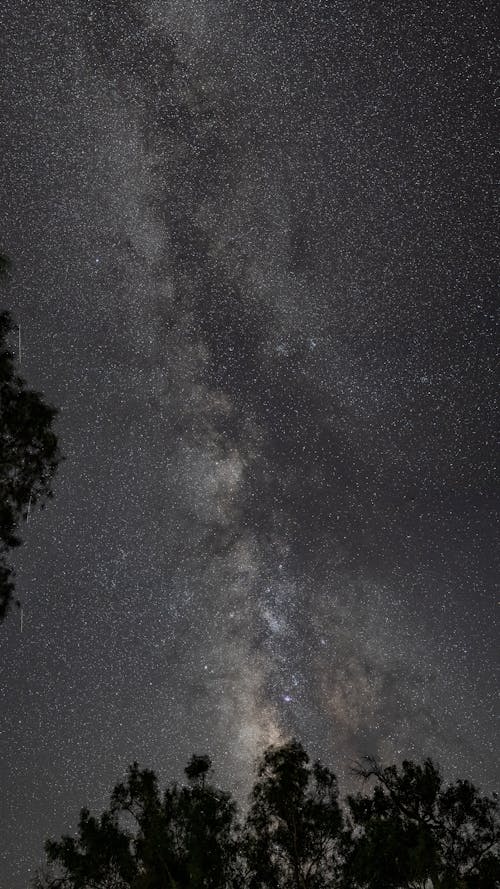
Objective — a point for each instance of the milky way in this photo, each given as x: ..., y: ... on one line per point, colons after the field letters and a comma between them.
x: 253, y: 265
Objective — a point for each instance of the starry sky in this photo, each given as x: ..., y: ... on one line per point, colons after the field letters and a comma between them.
x: 253, y: 265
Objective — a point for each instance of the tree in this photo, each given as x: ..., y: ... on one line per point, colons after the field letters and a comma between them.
x: 408, y: 832
x: 293, y: 832
x: 185, y: 838
x: 29, y: 454
x: 411, y: 832
x: 197, y: 769
x: 209, y: 830
x: 101, y: 856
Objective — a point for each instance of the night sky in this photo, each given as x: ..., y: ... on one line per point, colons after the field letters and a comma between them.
x: 254, y: 269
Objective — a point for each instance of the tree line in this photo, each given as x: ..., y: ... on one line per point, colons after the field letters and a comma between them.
x: 404, y: 828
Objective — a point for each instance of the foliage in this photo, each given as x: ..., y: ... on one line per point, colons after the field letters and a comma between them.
x: 413, y: 832
x: 29, y: 454
x: 294, y: 826
x: 408, y: 831
x: 101, y: 857
x: 185, y: 838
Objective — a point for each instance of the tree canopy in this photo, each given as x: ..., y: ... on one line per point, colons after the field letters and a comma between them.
x: 413, y: 831
x: 404, y: 830
x: 294, y: 826
x: 29, y: 453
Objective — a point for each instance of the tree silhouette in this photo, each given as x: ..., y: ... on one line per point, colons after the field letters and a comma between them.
x: 29, y: 454
x: 207, y: 822
x: 197, y: 769
x: 185, y: 838
x: 100, y: 857
x: 412, y: 832
x: 294, y: 827
x: 407, y: 832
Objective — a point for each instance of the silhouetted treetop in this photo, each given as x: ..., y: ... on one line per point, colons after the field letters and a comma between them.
x: 198, y: 768
x: 412, y: 831
x: 404, y: 830
x: 29, y: 453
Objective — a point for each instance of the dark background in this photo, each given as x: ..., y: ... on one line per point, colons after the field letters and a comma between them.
x: 253, y: 267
